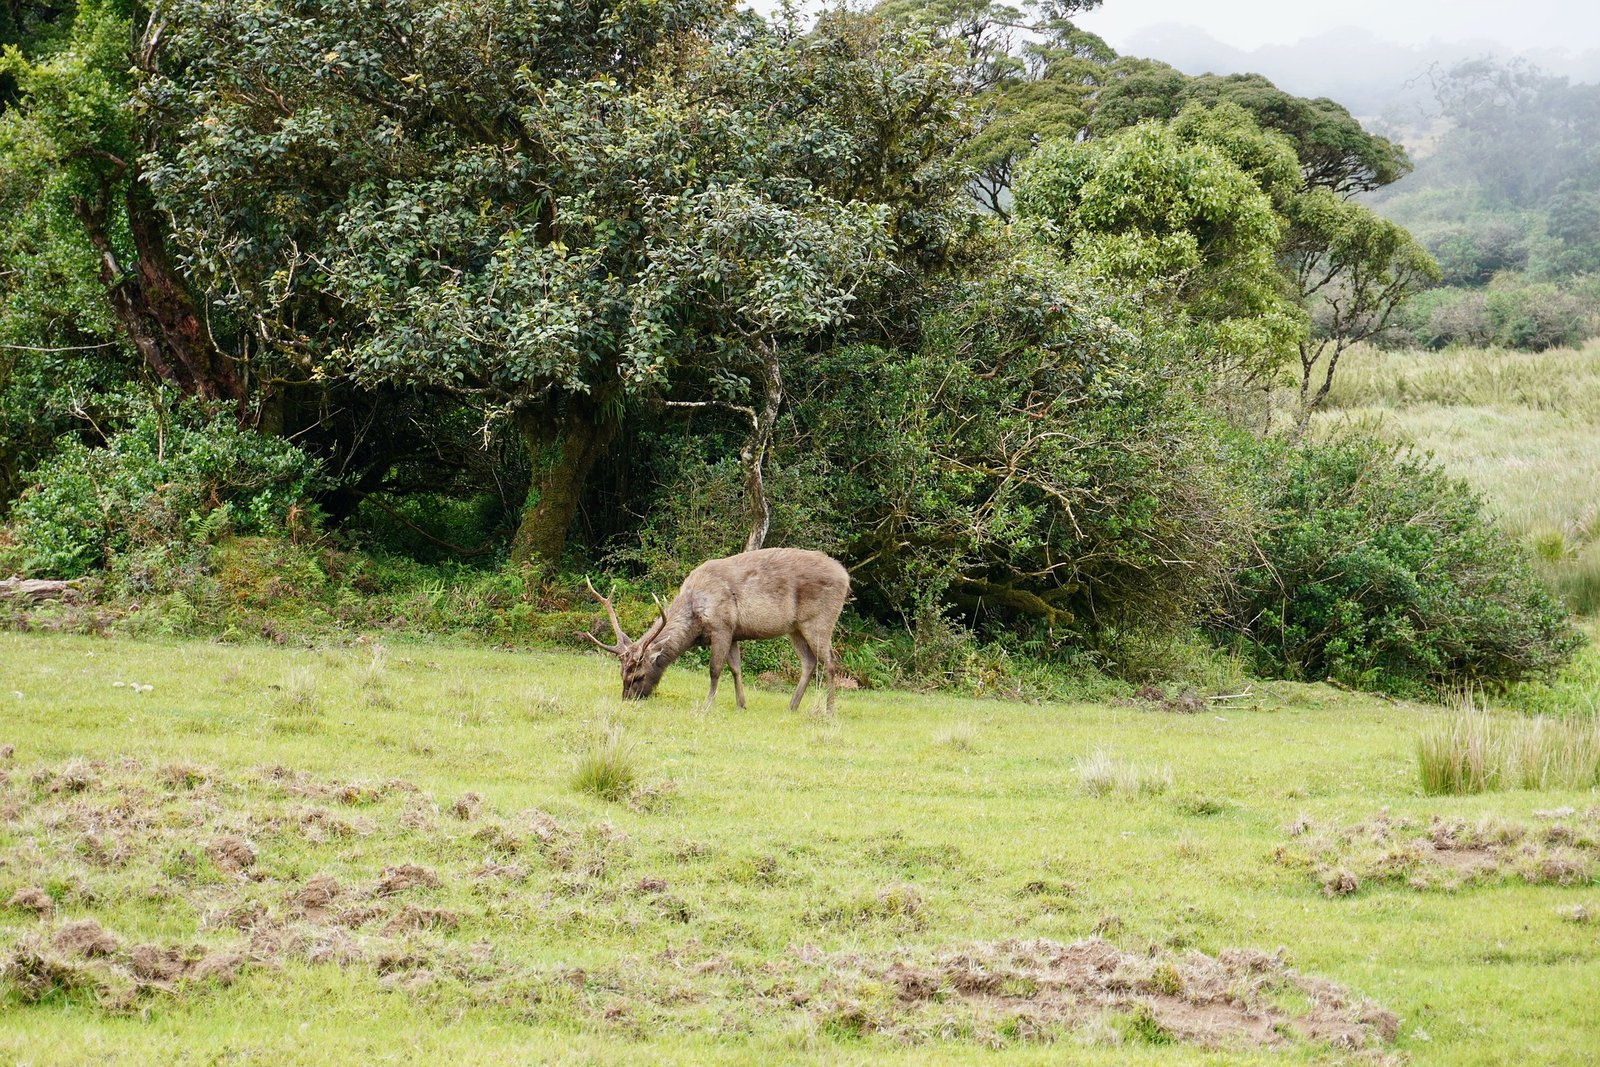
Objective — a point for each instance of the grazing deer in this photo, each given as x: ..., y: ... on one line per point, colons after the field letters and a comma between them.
x: 770, y: 592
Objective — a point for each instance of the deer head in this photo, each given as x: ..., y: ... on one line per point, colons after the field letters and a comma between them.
x: 641, y: 668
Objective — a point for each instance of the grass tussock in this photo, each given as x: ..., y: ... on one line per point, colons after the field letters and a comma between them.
x: 606, y: 767
x: 1472, y: 750
x: 1100, y: 776
x: 960, y: 736
x: 294, y: 703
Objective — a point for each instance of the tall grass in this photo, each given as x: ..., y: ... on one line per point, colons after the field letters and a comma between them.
x: 1523, y: 428
x: 605, y: 767
x: 1472, y: 750
x: 1101, y: 776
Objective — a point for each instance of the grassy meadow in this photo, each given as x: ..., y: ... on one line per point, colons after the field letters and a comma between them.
x: 1522, y: 427
x: 392, y: 853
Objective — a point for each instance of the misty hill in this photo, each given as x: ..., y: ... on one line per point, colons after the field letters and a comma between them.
x: 1374, y: 78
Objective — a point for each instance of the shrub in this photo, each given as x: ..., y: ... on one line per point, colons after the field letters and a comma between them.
x: 1376, y: 569
x: 171, y: 478
x: 1027, y: 464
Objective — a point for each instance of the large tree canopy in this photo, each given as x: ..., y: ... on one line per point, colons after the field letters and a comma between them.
x: 651, y: 199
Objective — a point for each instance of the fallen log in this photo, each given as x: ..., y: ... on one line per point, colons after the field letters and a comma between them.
x: 37, y: 588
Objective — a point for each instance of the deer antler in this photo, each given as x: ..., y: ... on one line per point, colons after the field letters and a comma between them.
x: 657, y: 626
x: 611, y: 613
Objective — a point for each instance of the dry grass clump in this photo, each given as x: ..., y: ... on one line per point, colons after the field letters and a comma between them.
x: 294, y: 704
x: 1101, y: 776
x: 606, y: 767
x: 961, y: 736
x: 1471, y: 750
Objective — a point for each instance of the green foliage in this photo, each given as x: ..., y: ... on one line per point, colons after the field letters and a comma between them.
x: 1334, y: 151
x: 1029, y: 460
x: 63, y: 82
x: 1376, y: 569
x: 1165, y: 212
x: 172, y: 479
x: 1513, y: 312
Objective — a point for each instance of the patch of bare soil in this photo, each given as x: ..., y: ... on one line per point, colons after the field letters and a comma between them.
x: 1447, y: 853
x: 86, y: 938
x: 313, y: 899
x: 1235, y: 999
x: 412, y: 917
x: 83, y: 956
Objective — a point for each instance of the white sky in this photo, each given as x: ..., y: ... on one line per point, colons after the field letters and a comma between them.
x: 1569, y: 25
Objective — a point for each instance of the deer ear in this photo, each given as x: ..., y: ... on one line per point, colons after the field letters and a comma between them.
x: 657, y: 658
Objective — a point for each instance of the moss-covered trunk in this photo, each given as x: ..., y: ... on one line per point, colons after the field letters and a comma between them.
x: 562, y: 451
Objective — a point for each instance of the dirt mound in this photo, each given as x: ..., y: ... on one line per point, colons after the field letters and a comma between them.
x: 467, y: 806
x: 1236, y: 998
x: 412, y: 917
x: 315, y: 897
x: 405, y: 876
x: 1444, y: 853
x: 231, y: 853
x: 86, y: 938
x: 34, y: 899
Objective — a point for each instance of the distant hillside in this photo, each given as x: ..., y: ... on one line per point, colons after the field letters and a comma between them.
x: 1374, y: 78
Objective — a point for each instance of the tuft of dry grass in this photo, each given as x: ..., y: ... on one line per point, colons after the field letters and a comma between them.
x: 1101, y: 776
x: 294, y: 704
x: 961, y: 736
x: 1472, y: 750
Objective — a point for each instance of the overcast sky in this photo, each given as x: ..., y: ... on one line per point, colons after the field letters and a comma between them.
x: 1572, y: 25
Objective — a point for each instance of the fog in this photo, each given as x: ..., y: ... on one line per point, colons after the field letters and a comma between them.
x: 1572, y: 25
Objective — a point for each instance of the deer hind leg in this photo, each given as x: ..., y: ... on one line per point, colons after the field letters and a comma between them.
x: 738, y: 679
x: 819, y: 635
x: 719, y: 656
x: 808, y: 667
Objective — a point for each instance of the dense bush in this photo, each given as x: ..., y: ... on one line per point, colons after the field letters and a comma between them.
x: 171, y: 478
x: 1027, y: 462
x: 1511, y: 313
x: 1378, y: 570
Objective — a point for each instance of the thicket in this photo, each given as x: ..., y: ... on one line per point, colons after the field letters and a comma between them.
x: 450, y: 332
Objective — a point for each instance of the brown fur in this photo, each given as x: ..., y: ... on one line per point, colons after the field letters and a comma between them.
x: 771, y: 592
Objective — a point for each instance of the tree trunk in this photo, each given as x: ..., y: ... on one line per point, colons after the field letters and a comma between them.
x: 754, y: 453
x: 563, y: 451
x: 151, y: 302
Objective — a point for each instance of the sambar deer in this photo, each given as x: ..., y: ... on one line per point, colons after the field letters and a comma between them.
x: 770, y: 592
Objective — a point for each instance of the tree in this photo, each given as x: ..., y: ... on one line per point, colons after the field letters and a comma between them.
x: 73, y: 125
x: 1165, y: 214
x: 1031, y: 72
x: 648, y: 203
x: 1358, y: 268
x: 1334, y: 150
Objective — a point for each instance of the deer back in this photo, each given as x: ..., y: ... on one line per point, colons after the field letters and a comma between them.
x: 766, y: 593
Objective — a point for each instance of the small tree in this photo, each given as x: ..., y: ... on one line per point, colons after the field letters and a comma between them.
x: 1354, y: 269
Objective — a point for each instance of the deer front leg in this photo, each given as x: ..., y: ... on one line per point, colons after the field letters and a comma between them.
x: 738, y: 679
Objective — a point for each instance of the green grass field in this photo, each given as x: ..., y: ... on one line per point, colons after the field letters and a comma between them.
x: 362, y: 855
